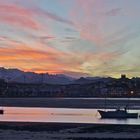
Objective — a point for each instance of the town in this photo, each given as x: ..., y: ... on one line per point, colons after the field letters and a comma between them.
x: 106, y: 87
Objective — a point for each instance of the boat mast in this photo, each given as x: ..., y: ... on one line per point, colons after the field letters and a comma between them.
x: 105, y: 103
x: 127, y: 106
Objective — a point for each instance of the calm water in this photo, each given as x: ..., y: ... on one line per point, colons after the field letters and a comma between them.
x: 60, y: 115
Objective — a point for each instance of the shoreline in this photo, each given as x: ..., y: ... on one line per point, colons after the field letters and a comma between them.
x: 67, y: 131
x: 70, y: 102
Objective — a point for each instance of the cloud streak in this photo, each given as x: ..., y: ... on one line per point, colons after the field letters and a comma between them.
x: 113, y: 12
x: 17, y: 15
x: 26, y: 17
x: 52, y: 16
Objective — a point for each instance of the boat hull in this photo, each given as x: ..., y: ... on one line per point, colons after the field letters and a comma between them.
x: 1, y: 112
x: 117, y: 114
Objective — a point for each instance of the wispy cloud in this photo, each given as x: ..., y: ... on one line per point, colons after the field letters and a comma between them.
x: 113, y: 12
x: 26, y: 17
x: 47, y: 14
x: 17, y: 15
x: 24, y: 56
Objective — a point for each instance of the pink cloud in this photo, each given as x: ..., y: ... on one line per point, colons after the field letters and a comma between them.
x: 19, y: 21
x: 15, y: 9
x: 87, y: 21
x: 17, y: 15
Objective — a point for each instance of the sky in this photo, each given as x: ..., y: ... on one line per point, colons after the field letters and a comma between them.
x: 72, y: 37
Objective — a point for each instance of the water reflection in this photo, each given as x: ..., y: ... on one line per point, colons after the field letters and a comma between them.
x: 60, y: 115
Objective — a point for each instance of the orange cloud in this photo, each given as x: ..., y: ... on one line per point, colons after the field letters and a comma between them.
x: 27, y: 58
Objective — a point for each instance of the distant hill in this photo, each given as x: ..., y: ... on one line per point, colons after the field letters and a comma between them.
x: 16, y: 75
x: 89, y: 80
x: 83, y: 80
x: 19, y: 76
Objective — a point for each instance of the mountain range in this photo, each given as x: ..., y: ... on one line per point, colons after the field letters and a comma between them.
x: 19, y: 76
x: 16, y: 75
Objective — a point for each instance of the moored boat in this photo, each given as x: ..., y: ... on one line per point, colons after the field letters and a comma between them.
x: 1, y: 111
x: 118, y: 114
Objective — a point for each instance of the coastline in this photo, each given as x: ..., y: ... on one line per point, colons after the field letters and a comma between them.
x: 66, y: 131
x: 70, y: 102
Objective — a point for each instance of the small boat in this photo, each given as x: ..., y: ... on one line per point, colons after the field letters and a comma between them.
x: 1, y: 111
x: 118, y: 114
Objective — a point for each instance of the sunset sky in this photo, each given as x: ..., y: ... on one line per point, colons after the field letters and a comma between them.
x: 73, y: 37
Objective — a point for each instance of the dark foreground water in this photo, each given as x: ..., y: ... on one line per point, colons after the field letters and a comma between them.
x: 61, y: 115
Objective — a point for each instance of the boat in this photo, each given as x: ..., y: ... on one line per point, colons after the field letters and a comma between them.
x: 1, y: 111
x: 118, y: 114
